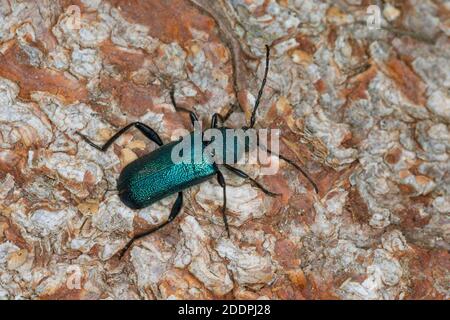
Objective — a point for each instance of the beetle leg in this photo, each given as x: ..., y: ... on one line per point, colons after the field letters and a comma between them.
x: 218, y: 116
x: 261, y: 89
x: 296, y: 166
x: 222, y: 183
x: 242, y: 174
x: 176, y: 208
x: 192, y: 114
x: 215, y: 118
x: 146, y: 131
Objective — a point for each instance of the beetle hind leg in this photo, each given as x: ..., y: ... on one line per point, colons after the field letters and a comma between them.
x: 176, y: 208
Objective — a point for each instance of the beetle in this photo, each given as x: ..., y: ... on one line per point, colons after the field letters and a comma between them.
x: 155, y: 175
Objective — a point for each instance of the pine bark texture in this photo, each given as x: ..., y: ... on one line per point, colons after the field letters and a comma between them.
x: 365, y: 109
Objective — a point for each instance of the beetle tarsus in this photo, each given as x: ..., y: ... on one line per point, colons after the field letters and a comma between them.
x: 142, y: 127
x: 222, y: 183
x: 86, y: 139
x: 124, y: 250
x: 261, y: 89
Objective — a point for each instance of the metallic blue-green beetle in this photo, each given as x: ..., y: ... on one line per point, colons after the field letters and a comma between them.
x: 155, y: 176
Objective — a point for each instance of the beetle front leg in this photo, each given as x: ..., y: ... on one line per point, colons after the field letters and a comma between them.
x: 143, y: 128
x: 176, y: 208
x: 192, y: 114
x: 222, y: 183
x: 217, y: 116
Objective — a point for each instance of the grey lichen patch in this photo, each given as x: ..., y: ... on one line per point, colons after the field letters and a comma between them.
x: 72, y: 34
x: 439, y: 104
x: 85, y: 63
x: 47, y: 223
x: 383, y: 275
x: 20, y: 121
x: 249, y: 268
x: 201, y: 260
x: 126, y: 34
x: 171, y: 61
x: 208, y: 75
x: 277, y: 22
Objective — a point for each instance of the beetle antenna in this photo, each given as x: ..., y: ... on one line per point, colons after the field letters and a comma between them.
x: 258, y: 99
